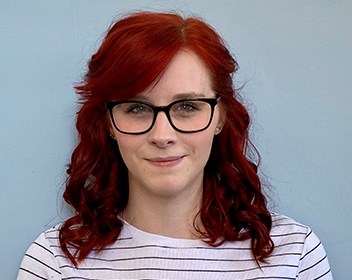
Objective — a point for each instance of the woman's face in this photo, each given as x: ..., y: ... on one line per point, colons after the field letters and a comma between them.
x: 164, y: 162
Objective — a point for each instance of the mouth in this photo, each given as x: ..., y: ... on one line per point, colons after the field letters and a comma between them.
x: 165, y: 161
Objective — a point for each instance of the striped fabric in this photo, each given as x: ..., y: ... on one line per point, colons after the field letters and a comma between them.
x: 298, y: 254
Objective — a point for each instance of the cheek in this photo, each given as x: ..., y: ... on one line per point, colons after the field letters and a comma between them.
x: 127, y: 146
x: 201, y: 143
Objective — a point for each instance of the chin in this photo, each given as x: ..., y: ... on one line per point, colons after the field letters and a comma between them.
x: 167, y: 189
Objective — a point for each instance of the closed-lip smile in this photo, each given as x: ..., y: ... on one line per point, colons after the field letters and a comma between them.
x: 165, y: 161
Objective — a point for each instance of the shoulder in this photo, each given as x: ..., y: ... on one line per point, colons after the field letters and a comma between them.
x: 40, y: 260
x: 286, y: 223
x: 48, y: 240
x: 288, y: 236
x: 295, y: 241
x: 286, y: 232
x: 286, y: 226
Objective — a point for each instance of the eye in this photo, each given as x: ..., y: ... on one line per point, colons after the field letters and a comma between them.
x: 138, y: 108
x: 187, y: 107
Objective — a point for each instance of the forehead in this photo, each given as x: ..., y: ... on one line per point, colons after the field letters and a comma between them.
x: 186, y: 74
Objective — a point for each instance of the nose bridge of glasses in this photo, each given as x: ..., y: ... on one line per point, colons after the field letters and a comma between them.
x: 164, y: 109
x: 165, y: 116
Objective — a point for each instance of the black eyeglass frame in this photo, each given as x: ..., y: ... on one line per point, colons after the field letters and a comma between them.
x: 166, y: 109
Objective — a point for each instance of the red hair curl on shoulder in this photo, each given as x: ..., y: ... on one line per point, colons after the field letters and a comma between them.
x: 133, y: 55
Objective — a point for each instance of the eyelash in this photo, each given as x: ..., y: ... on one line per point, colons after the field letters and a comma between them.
x: 132, y: 108
x: 188, y: 104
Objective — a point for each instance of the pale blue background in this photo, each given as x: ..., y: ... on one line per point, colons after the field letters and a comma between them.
x: 295, y: 57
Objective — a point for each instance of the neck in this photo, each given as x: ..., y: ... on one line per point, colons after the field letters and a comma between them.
x: 167, y: 216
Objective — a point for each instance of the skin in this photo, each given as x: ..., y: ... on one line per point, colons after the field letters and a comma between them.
x: 166, y: 167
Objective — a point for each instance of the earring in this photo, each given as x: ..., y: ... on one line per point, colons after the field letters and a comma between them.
x: 112, y: 136
x: 217, y: 130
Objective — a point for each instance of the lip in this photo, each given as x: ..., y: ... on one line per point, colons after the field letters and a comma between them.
x: 165, y: 161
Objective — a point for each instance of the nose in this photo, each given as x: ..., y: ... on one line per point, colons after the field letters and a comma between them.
x: 162, y: 133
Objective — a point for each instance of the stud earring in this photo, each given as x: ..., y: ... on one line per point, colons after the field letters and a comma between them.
x: 217, y: 130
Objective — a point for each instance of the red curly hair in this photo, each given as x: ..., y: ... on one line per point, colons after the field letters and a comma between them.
x: 135, y: 52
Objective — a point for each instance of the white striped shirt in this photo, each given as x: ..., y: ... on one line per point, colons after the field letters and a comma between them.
x: 298, y: 254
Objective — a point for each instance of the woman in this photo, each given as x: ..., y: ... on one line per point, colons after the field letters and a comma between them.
x: 161, y: 180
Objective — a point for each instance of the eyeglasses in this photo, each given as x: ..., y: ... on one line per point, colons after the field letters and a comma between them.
x: 185, y: 115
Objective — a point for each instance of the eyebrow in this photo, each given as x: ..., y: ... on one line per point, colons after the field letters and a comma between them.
x: 175, y: 97
x: 188, y: 95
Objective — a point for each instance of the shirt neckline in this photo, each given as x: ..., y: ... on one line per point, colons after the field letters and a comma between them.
x: 141, y: 236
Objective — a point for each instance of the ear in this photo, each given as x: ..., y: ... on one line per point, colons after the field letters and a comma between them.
x: 221, y: 120
x: 217, y: 130
x: 109, y: 126
x: 112, y: 135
